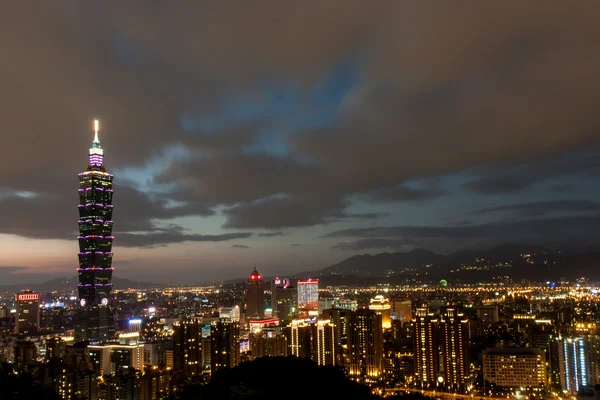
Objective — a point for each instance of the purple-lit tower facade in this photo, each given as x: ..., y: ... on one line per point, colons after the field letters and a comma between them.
x: 95, y: 318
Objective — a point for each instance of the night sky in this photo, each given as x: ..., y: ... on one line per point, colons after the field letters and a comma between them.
x: 293, y: 134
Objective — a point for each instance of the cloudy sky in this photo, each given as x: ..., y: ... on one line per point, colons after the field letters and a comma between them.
x: 290, y: 135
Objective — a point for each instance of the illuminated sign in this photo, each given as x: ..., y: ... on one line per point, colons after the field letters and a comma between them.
x: 28, y: 297
x: 135, y: 321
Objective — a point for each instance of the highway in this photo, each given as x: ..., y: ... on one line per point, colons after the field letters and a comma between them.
x: 439, y: 395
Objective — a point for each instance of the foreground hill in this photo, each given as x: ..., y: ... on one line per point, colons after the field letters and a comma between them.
x: 274, y: 377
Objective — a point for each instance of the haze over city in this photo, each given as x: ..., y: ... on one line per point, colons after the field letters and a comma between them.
x: 293, y: 135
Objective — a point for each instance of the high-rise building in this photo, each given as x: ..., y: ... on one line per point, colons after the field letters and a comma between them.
x: 56, y: 349
x: 381, y: 305
x: 308, y: 297
x: 111, y: 358
x: 225, y: 344
x: 284, y: 299
x: 574, y: 363
x: 366, y: 346
x: 455, y: 342
x: 255, y: 296
x: 301, y: 338
x: 340, y: 318
x: 401, y: 309
x: 326, y: 342
x: 515, y: 368
x: 187, y: 346
x: 426, y: 349
x: 27, y: 319
x: 487, y: 314
x: 95, y: 319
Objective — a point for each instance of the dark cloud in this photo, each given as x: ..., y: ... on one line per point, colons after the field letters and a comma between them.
x: 540, y: 208
x: 295, y: 245
x: 271, y: 234
x: 240, y: 246
x: 433, y: 93
x: 497, y: 184
x: 515, y: 178
x: 159, y: 239
x: 578, y: 229
x: 401, y: 193
x: 366, y: 244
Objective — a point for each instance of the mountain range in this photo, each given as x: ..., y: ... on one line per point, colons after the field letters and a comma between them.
x: 531, y: 262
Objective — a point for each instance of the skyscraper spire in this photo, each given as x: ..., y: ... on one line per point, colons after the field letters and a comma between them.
x: 96, y: 152
x: 96, y: 129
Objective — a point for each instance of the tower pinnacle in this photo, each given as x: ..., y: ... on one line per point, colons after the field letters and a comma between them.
x: 96, y: 129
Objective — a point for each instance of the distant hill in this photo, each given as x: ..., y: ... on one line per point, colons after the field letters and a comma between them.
x: 66, y: 284
x: 517, y: 261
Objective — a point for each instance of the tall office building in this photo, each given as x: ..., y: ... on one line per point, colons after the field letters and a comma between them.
x: 574, y: 363
x: 308, y: 297
x: 109, y: 359
x: 326, y: 342
x: 27, y: 319
x: 95, y: 319
x: 187, y: 346
x: 401, y: 309
x: 426, y: 349
x: 225, y: 344
x: 488, y: 314
x: 366, y: 346
x: 455, y: 341
x: 255, y: 296
x: 301, y: 343
x: 340, y: 318
x: 284, y: 299
x: 381, y: 305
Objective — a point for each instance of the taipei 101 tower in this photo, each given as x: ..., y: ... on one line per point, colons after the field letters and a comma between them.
x: 95, y: 318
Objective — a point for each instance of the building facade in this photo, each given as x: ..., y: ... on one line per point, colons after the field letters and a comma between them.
x: 225, y: 344
x: 308, y: 297
x: 366, y: 347
x: 515, y: 367
x: 27, y: 319
x: 95, y: 318
x: 284, y: 299
x: 255, y: 296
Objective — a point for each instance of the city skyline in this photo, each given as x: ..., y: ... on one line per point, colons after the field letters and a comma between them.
x: 241, y: 138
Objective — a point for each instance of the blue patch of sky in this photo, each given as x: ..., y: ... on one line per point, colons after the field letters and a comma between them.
x: 281, y: 108
x: 142, y: 178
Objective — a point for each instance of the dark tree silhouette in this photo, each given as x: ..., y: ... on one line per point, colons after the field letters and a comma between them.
x: 278, y: 378
x: 21, y: 385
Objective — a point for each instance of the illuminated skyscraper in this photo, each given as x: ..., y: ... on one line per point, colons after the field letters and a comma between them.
x: 401, y: 309
x: 255, y: 296
x: 27, y: 320
x: 426, y: 347
x: 575, y: 363
x: 284, y: 299
x: 95, y: 319
x: 326, y: 342
x: 308, y: 297
x: 455, y: 340
x: 187, y: 347
x: 381, y: 305
x: 301, y: 339
x: 225, y: 344
x: 366, y: 346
